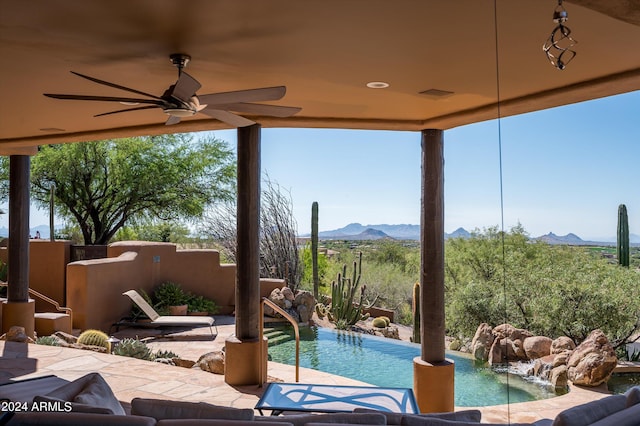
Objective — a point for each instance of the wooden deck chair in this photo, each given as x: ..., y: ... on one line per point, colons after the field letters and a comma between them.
x: 158, y: 320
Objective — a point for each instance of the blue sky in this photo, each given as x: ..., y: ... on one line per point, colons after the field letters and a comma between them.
x: 564, y: 170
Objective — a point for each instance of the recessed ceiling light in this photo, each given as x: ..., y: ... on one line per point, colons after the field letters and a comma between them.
x: 129, y: 103
x: 377, y: 85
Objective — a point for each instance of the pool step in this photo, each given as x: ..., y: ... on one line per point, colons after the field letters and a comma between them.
x: 276, y: 336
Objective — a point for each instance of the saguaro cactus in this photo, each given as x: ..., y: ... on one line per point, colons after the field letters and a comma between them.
x: 416, y: 313
x: 314, y: 248
x: 623, y: 236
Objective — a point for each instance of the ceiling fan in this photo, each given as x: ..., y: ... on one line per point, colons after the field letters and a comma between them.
x: 180, y: 99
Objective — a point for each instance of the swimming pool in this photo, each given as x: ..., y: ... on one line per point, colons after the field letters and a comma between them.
x: 389, y: 363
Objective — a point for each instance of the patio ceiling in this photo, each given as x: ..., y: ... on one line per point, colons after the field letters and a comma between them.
x: 323, y: 51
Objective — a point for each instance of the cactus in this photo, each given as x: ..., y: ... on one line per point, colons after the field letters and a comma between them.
x: 133, y: 348
x: 416, y: 313
x: 314, y: 248
x: 161, y: 353
x: 48, y: 341
x: 623, y: 236
x: 95, y: 338
x: 379, y: 322
x: 343, y: 291
x: 321, y: 310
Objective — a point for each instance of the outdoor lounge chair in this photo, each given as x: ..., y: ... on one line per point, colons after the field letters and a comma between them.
x: 167, y: 321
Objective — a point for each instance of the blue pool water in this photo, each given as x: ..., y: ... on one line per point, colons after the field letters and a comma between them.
x: 387, y: 362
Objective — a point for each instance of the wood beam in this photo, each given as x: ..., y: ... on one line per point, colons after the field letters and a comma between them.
x: 18, y: 264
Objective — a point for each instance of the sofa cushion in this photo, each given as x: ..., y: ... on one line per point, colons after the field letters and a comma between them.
x: 591, y: 412
x: 396, y: 418
x: 627, y: 417
x: 431, y: 421
x: 161, y: 409
x: 633, y: 396
x: 88, y: 394
x: 77, y: 419
x: 350, y: 418
x: 215, y: 422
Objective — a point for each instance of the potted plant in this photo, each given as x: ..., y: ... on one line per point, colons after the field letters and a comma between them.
x: 170, y: 297
x: 200, y: 305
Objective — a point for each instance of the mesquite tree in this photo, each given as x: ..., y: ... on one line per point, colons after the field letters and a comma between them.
x: 104, y: 185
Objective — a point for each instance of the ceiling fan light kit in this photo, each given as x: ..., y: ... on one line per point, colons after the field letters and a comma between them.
x: 181, y: 101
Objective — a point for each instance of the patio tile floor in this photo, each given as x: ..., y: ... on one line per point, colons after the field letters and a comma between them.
x: 129, y: 377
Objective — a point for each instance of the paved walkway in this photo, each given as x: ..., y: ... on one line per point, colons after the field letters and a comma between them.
x: 131, y: 378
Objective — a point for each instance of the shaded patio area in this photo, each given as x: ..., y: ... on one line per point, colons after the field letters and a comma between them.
x: 129, y: 377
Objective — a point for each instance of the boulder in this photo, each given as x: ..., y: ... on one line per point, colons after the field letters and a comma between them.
x: 305, y: 304
x: 561, y: 344
x: 496, y: 354
x: 559, y: 377
x: 537, y: 346
x: 561, y: 358
x: 542, y: 368
x: 17, y: 334
x: 213, y: 362
x: 288, y: 294
x: 279, y: 299
x: 593, y: 361
x: 507, y: 331
x: 482, y: 342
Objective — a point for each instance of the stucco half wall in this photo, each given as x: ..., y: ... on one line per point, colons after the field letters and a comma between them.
x: 95, y: 287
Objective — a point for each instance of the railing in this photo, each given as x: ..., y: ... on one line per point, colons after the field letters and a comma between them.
x: 48, y: 300
x: 289, y: 318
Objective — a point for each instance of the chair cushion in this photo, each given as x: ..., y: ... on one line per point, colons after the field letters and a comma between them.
x: 396, y: 418
x: 161, y: 409
x: 633, y: 396
x: 591, y: 412
x: 88, y: 394
x: 627, y: 417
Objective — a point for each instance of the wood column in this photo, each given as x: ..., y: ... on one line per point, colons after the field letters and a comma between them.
x: 18, y: 310
x: 19, y: 174
x: 245, y: 354
x: 432, y: 327
x: 433, y: 374
x: 248, y: 234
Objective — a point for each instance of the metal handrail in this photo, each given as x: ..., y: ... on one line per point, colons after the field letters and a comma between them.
x: 289, y: 318
x: 46, y: 299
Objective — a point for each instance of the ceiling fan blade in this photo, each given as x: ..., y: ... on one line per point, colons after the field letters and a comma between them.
x: 117, y: 86
x: 125, y: 110
x: 172, y: 120
x: 250, y: 95
x: 104, y: 98
x: 228, y: 117
x: 261, y: 109
x: 185, y: 87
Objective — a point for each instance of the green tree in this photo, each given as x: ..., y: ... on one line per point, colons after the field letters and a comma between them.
x: 106, y: 184
x: 550, y: 290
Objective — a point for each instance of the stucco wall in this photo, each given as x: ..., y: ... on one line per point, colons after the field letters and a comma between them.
x: 47, y: 269
x: 95, y: 287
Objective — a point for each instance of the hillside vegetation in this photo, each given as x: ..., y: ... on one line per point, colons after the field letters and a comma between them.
x: 493, y: 277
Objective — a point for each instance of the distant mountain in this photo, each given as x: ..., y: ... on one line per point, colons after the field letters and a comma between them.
x: 458, y: 233
x: 569, y: 239
x: 44, y: 231
x: 357, y: 231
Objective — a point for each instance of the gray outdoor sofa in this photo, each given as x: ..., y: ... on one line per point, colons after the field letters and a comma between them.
x: 89, y: 400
